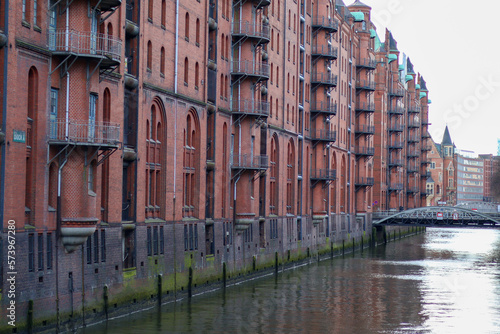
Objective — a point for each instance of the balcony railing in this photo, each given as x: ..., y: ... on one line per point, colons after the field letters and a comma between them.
x: 249, y: 107
x: 328, y: 51
x: 85, y: 44
x: 324, y: 78
x: 366, y: 63
x: 398, y: 92
x: 365, y: 151
x: 396, y: 186
x: 262, y: 3
x: 426, y: 135
x: 84, y: 132
x: 365, y: 107
x: 249, y: 161
x: 426, y: 148
x: 365, y: 85
x: 414, y: 108
x: 413, y: 139
x: 364, y: 181
x: 248, y: 67
x: 413, y: 190
x: 425, y: 121
x: 412, y: 169
x: 425, y: 161
x: 396, y: 145
x: 326, y: 107
x: 426, y: 174
x: 323, y: 174
x: 254, y: 30
x: 397, y: 110
x: 105, y: 5
x: 413, y: 124
x: 365, y: 129
x: 413, y: 154
x: 396, y: 162
x: 324, y: 135
x: 325, y: 23
x: 396, y: 127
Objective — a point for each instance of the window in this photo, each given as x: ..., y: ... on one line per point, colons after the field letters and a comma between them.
x: 149, y: 60
x: 162, y: 61
x: 273, y: 229
x: 191, y: 237
x: 103, y: 245
x: 186, y: 28
x: 49, y: 251
x: 197, y: 32
x: 40, y: 251
x: 149, y: 246
x: 91, y: 173
x: 227, y: 233
x: 150, y: 10
x: 196, y: 75
x: 89, y: 250
x: 162, y: 240
x: 163, y: 13
x: 248, y: 234
x: 155, y: 240
x: 186, y: 71
x: 31, y: 252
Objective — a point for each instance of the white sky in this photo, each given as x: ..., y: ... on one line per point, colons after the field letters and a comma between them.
x: 455, y: 47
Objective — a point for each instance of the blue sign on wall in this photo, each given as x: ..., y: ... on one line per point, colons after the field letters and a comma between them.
x: 19, y: 136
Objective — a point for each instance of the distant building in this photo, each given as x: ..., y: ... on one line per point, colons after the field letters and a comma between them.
x: 491, y: 163
x: 470, y: 175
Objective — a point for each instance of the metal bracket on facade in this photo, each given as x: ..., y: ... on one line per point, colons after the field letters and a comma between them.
x: 89, y: 76
x: 60, y: 151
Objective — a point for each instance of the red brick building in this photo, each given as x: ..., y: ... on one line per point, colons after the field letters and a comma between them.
x: 149, y: 146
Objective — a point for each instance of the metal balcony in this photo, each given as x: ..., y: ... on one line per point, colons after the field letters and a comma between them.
x: 396, y: 162
x: 366, y: 63
x: 324, y: 135
x: 412, y: 190
x: 249, y: 161
x: 326, y: 51
x: 365, y: 85
x: 396, y: 128
x: 413, y: 124
x: 395, y: 186
x: 412, y: 169
x: 414, y: 108
x: 251, y: 108
x: 323, y: 174
x: 396, y: 110
x: 425, y: 121
x: 261, y: 3
x: 426, y: 148
x: 365, y: 129
x: 250, y: 68
x: 398, y: 145
x: 426, y: 174
x: 426, y: 135
x: 107, y: 5
x: 413, y: 139
x: 413, y: 154
x: 425, y: 161
x: 328, y: 79
x: 322, y: 22
x: 397, y: 92
x: 365, y: 107
x: 256, y: 31
x: 364, y: 181
x: 87, y: 132
x: 365, y: 151
x: 325, y: 107
x: 85, y: 44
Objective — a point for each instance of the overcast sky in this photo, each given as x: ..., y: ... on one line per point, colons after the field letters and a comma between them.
x: 455, y: 47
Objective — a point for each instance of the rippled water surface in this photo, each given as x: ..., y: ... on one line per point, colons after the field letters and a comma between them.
x: 443, y: 281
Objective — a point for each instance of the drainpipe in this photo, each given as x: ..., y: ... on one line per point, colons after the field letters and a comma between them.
x: 58, y: 228
x: 176, y: 74
x: 4, y: 124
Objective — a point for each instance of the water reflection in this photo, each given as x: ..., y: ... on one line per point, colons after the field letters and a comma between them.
x: 446, y: 281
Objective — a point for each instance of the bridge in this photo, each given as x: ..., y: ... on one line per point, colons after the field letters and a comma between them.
x: 438, y: 216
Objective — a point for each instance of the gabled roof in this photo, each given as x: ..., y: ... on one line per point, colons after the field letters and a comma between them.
x: 393, y: 45
x: 409, y: 67
x: 358, y: 3
x: 430, y: 180
x: 423, y: 84
x: 446, y: 138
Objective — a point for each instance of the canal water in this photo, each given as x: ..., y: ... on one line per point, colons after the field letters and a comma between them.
x: 443, y: 281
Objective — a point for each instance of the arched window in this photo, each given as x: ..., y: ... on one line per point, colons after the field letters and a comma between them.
x: 290, y: 176
x: 149, y: 56
x: 53, y: 185
x: 163, y: 13
x: 186, y: 27
x: 31, y: 140
x: 196, y: 75
x: 197, y: 32
x: 225, y: 165
x: 222, y: 47
x: 191, y: 159
x: 162, y: 61
x: 271, y: 107
x: 273, y: 179
x: 227, y: 47
x: 156, y: 166
x: 186, y: 71
x: 150, y: 10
